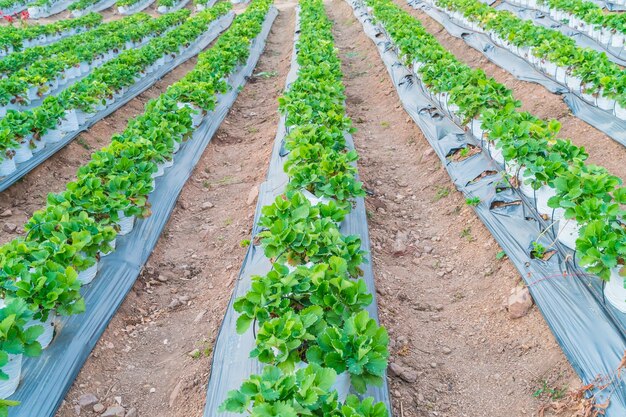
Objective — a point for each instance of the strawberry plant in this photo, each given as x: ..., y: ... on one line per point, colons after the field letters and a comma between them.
x: 274, y: 393
x: 359, y: 347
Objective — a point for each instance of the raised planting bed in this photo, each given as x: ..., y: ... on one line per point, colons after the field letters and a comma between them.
x: 306, y: 287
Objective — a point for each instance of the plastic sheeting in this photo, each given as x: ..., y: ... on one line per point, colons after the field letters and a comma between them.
x: 46, y: 379
x: 231, y: 363
x: 602, y: 120
x: 590, y: 332
x: 215, y: 28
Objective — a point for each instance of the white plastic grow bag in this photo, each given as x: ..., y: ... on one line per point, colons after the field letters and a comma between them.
x: 13, y: 369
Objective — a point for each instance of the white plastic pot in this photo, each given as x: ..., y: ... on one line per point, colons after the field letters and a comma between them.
x: 477, y: 129
x: 32, y: 93
x: 496, y: 154
x: 87, y: 275
x: 313, y: 199
x: 7, y: 167
x: 23, y: 152
x: 200, y: 7
x: 560, y: 75
x: 70, y: 122
x: 48, y: 329
x: 122, y: 9
x: 619, y: 111
x: 550, y: 68
x: 615, y: 292
x: 617, y: 40
x: 176, y: 146
x: 605, y: 103
x: 168, y: 163
x: 160, y: 171
x: 13, y: 369
x: 52, y: 136
x: 126, y: 223
x: 542, y: 195
x: 162, y: 9
x: 573, y: 83
x: 569, y: 230
x: 39, y: 145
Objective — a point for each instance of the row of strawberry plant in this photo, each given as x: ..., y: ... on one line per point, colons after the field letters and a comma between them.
x: 27, y: 132
x: 584, y: 199
x: 44, y: 8
x: 46, y: 76
x: 308, y: 312
x: 132, y: 6
x: 17, y: 61
x: 16, y: 38
x: 81, y: 7
x: 609, y: 29
x: 584, y: 71
x: 41, y: 273
x: 167, y: 6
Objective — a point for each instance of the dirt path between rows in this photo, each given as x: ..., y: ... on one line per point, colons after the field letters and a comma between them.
x: 155, y: 354
x: 535, y: 99
x: 456, y: 351
x: 29, y: 193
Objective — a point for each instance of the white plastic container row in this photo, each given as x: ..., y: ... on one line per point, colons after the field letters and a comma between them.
x: 73, y: 74
x: 134, y: 8
x: 561, y: 74
x: 43, y: 40
x: 18, y: 7
x: 100, y: 5
x: 53, y: 7
x: 86, y: 276
x: 605, y: 36
x: 73, y: 120
x: 568, y: 229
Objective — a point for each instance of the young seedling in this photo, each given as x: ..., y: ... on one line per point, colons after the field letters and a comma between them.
x: 473, y: 201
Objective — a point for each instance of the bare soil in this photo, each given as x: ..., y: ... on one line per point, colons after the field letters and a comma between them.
x: 535, y: 98
x: 156, y: 353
